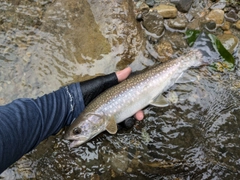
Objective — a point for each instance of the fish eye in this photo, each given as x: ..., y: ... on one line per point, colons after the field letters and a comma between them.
x: 77, y: 131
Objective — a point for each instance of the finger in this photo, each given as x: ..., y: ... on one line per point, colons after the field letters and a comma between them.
x: 139, y: 115
x: 123, y: 74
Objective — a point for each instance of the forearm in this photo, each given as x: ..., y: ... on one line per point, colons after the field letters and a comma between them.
x: 24, y: 123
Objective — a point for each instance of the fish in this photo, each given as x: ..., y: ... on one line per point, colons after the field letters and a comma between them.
x: 133, y: 94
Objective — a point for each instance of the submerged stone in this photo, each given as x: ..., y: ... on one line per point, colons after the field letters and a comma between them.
x: 229, y: 41
x: 178, y: 23
x: 182, y: 5
x: 238, y: 24
x: 164, y: 50
x: 211, y: 25
x: 81, y: 30
x: 150, y: 3
x: 216, y: 15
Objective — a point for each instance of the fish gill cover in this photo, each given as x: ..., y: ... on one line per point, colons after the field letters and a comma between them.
x: 228, y: 59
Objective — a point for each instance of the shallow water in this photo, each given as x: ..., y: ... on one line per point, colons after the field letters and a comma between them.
x: 42, y: 47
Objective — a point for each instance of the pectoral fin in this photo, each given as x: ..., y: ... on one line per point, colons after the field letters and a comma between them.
x: 111, y: 126
x: 160, y: 101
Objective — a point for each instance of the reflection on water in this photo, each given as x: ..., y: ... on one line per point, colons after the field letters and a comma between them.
x: 46, y: 44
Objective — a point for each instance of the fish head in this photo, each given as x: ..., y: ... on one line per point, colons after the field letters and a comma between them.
x: 84, y: 128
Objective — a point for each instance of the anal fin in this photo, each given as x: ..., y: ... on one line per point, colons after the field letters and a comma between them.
x: 160, y: 101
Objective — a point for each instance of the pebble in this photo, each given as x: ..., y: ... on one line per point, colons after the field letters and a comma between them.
x: 178, y: 23
x: 194, y: 24
x: 238, y: 24
x: 216, y: 15
x: 231, y: 16
x: 176, y: 39
x: 218, y: 5
x: 165, y: 51
x: 139, y: 17
x: 182, y: 5
x: 226, y: 26
x: 229, y: 41
x: 143, y: 7
x: 150, y: 3
x: 153, y: 22
x: 211, y: 25
x: 166, y: 11
x: 227, y: 32
x: 129, y: 170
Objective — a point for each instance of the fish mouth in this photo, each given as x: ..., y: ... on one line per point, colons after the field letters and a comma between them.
x: 76, y: 141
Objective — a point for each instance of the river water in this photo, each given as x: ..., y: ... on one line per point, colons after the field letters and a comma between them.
x: 47, y: 44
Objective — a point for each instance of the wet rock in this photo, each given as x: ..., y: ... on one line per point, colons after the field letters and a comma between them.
x: 139, y: 17
x: 238, y: 24
x: 166, y: 11
x: 118, y: 24
x: 231, y: 16
x: 178, y: 23
x: 182, y: 5
x: 216, y: 15
x: 211, y: 25
x: 153, y: 22
x: 164, y: 50
x: 218, y: 5
x: 150, y: 3
x: 229, y: 41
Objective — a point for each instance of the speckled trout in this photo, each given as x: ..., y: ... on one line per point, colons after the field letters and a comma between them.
x: 125, y: 99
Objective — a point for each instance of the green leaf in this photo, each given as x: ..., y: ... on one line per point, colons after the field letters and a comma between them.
x: 229, y: 60
x: 191, y: 36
